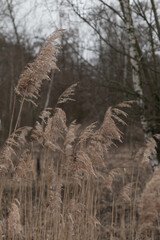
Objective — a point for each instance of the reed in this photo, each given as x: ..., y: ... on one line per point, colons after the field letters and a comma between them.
x: 56, y: 180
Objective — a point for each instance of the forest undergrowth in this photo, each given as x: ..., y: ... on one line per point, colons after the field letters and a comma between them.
x: 56, y: 180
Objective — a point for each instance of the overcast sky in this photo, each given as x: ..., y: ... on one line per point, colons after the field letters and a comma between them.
x: 36, y: 19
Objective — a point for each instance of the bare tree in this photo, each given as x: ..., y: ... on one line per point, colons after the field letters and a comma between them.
x: 139, y: 22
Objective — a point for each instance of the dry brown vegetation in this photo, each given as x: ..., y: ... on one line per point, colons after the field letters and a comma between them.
x: 58, y: 182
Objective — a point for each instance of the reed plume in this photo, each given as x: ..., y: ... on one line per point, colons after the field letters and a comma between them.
x: 30, y: 80
x: 15, y: 227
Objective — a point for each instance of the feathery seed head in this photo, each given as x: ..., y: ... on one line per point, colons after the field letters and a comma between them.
x: 30, y: 80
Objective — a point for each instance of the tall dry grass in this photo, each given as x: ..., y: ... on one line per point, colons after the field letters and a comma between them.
x: 57, y: 181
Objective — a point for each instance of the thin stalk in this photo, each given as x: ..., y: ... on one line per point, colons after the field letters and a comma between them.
x: 134, y: 204
x: 112, y: 222
x: 130, y: 228
x: 12, y: 115
x: 19, y: 114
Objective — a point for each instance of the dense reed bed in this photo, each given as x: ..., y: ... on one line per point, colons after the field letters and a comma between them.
x: 56, y: 179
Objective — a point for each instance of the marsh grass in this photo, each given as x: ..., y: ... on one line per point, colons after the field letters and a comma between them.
x: 57, y: 181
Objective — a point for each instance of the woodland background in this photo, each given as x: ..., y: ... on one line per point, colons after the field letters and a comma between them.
x: 123, y: 51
